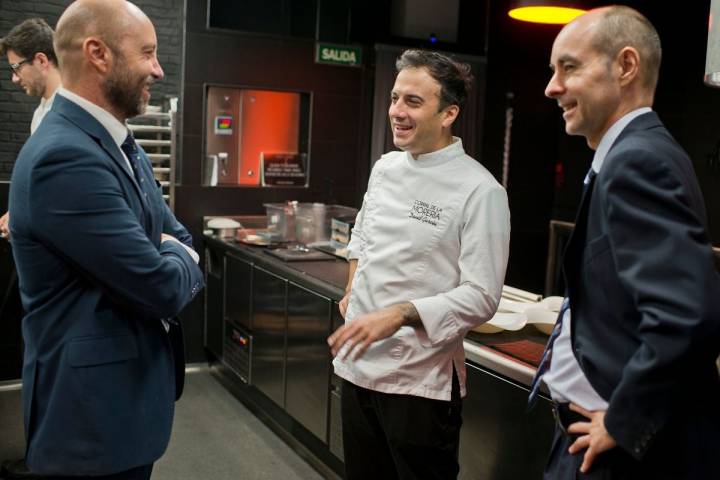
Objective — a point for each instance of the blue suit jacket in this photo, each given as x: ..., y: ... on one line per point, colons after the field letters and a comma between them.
x: 99, y: 375
x: 645, y: 299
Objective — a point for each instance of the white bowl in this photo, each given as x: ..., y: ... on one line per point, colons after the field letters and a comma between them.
x: 552, y: 303
x: 503, y: 321
x: 542, y: 319
x: 514, y: 306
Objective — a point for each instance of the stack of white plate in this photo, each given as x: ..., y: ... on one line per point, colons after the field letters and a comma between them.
x: 518, y: 308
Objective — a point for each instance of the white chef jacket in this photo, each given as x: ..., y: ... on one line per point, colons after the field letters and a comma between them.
x: 434, y: 231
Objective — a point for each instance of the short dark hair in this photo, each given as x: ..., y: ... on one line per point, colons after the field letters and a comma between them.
x: 32, y: 36
x: 454, y: 77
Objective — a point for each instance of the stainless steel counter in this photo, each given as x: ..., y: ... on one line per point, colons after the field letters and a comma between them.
x: 329, y: 278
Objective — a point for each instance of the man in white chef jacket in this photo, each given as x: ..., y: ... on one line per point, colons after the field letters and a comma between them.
x: 428, y: 257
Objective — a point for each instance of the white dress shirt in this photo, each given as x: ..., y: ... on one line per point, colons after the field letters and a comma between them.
x: 565, y: 379
x: 433, y: 231
x: 40, y: 112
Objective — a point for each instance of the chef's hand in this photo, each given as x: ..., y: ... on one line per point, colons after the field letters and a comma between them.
x: 5, y: 226
x: 594, y: 438
x: 363, y: 330
x: 344, y: 304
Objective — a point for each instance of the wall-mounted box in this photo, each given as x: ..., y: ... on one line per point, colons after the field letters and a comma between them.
x: 244, y: 126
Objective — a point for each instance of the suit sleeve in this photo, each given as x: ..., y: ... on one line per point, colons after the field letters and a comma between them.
x: 664, y: 261
x: 171, y: 226
x: 78, y: 209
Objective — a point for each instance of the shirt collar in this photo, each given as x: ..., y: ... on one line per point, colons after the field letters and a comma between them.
x: 117, y: 130
x: 611, y: 135
x: 46, y: 103
x: 437, y: 157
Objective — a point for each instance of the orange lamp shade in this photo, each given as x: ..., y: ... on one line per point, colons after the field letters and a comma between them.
x: 545, y: 14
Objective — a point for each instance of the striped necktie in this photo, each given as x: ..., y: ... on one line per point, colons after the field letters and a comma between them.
x: 547, y: 354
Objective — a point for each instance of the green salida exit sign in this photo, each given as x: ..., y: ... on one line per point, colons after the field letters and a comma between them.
x: 334, y: 54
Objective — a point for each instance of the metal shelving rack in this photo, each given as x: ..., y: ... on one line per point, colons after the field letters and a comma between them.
x: 156, y: 132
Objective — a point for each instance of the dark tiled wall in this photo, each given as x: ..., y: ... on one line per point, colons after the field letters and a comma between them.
x: 16, y: 108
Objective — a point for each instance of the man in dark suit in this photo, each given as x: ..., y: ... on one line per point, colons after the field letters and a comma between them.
x: 103, y: 265
x: 632, y: 371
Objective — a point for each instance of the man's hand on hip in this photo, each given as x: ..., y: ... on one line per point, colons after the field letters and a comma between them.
x: 363, y: 330
x: 594, y: 438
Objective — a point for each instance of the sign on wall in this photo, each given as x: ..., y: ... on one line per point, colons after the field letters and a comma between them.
x: 334, y: 54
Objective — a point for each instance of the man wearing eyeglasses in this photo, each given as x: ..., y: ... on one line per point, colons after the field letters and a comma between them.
x: 33, y: 65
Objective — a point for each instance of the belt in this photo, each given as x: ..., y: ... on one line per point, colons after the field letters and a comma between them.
x: 564, y: 417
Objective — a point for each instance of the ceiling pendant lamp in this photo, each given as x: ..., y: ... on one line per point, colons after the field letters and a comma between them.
x: 556, y: 12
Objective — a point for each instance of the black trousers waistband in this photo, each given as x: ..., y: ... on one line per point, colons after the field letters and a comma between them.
x: 564, y: 417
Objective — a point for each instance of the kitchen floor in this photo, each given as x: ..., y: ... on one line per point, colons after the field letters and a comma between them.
x: 214, y: 438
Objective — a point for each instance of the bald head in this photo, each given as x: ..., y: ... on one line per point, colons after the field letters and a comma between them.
x: 616, y: 27
x: 107, y: 20
x: 107, y: 51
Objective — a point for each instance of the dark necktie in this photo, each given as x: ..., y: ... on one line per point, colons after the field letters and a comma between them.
x: 130, y: 149
x: 547, y: 354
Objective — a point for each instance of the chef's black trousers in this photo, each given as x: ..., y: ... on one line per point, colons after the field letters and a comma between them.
x: 390, y: 436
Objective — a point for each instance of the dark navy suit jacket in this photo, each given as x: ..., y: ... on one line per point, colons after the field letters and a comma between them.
x: 645, y: 299
x: 99, y: 380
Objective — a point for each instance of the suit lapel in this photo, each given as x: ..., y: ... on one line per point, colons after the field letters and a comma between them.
x: 573, y: 252
x: 89, y: 124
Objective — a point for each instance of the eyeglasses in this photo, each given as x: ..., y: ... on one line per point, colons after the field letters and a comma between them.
x: 15, y: 67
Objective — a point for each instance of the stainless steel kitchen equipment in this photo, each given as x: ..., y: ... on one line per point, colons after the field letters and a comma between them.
x: 238, y: 351
x: 269, y: 324
x: 224, y: 227
x: 156, y: 132
x: 244, y: 126
x: 222, y: 135
x: 335, y: 441
x: 308, y: 359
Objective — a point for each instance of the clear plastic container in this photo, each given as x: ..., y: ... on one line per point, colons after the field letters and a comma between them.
x: 313, y: 221
x: 310, y: 223
x: 281, y: 221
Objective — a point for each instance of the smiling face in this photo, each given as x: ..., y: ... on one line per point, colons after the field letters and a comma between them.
x: 135, y: 69
x: 584, y: 82
x: 28, y: 76
x: 418, y: 125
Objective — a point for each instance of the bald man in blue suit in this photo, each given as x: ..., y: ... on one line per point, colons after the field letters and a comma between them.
x: 104, y: 267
